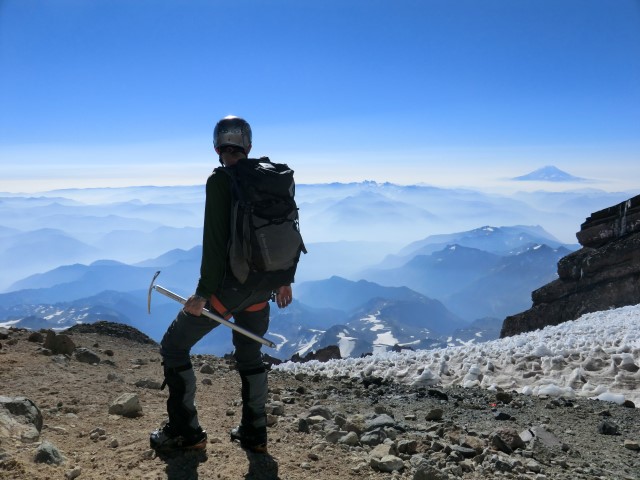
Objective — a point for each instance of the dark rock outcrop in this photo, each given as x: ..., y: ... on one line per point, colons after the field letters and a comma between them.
x: 604, y: 274
x: 331, y: 352
x: 112, y: 329
x: 610, y: 224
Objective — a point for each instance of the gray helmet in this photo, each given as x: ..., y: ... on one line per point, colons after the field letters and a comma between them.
x: 232, y: 131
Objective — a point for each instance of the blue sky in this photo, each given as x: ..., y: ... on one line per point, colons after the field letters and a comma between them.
x: 447, y: 92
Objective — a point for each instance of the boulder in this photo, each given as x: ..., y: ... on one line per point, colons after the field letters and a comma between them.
x: 149, y: 383
x: 36, y: 337
x: 59, y: 344
x: 48, y: 453
x: 126, y: 405
x: 85, y: 355
x: 20, y: 419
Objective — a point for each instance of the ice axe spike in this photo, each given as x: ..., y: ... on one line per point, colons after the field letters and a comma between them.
x: 205, y: 312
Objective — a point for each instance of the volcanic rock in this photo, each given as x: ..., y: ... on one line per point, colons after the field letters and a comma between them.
x: 604, y: 274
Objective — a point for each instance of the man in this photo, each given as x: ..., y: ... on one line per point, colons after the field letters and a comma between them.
x: 220, y: 291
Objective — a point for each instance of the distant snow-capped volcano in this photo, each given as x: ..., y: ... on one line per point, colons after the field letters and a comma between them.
x: 549, y: 174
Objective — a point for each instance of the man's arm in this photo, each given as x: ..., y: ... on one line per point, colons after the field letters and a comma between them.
x: 215, y: 237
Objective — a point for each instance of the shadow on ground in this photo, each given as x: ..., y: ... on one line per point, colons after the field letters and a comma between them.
x: 183, y: 465
x: 262, y: 466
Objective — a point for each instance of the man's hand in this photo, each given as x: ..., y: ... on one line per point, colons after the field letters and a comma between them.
x: 194, y: 305
x: 284, y: 296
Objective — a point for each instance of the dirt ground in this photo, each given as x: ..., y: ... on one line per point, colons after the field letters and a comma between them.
x: 74, y: 399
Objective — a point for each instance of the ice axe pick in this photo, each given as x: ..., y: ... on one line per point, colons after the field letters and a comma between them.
x: 205, y: 312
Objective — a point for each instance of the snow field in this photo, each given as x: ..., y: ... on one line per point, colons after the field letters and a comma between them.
x: 595, y: 356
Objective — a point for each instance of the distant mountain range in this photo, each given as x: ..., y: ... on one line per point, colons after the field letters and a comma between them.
x: 384, y: 269
x: 349, y: 227
x: 432, y: 299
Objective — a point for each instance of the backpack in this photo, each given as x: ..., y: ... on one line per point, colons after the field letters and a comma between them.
x: 265, y: 241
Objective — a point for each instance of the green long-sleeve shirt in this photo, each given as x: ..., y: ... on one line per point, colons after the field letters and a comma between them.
x: 215, y: 236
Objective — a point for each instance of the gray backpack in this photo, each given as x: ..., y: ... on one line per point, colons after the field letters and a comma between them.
x: 265, y: 242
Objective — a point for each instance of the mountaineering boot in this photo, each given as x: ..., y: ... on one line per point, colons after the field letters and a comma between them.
x: 252, y: 439
x: 167, y: 438
x: 252, y: 431
x: 183, y: 430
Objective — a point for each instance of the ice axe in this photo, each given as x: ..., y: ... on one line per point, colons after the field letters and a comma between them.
x: 205, y: 312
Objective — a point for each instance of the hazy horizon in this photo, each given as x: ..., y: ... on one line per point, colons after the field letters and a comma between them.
x: 445, y: 93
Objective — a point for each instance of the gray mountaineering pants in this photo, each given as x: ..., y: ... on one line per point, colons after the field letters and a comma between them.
x: 186, y: 330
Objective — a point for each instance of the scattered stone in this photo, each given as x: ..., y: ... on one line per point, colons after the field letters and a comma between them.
x: 112, y: 377
x: 501, y: 416
x: 465, y: 452
x: 59, y: 430
x: 439, y: 394
x: 408, y: 447
x: 607, y: 427
x: 272, y: 420
x: 373, y: 438
x: 542, y: 435
x: 506, y: 440
x: 303, y: 425
x: 148, y: 383
x: 98, y: 433
x: 381, y: 451
x: 388, y: 463
x: 632, y: 445
x: 207, y: 381
x: 321, y: 410
x: 379, y: 422
x: 473, y: 442
x: 504, y: 397
x: 335, y: 436
x: 35, y: 337
x: 85, y: 355
x: 350, y: 439
x: 314, y: 420
x: 275, y: 408
x: 425, y: 471
x: 60, y: 360
x: 48, y: 453
x: 628, y: 404
x: 20, y: 419
x: 74, y: 473
x: 356, y: 424
x: 533, y: 466
x: 126, y: 405
x: 207, y: 369
x: 59, y: 344
x: 435, y: 414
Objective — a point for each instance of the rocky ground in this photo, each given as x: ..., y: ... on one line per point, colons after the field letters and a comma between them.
x: 99, y: 401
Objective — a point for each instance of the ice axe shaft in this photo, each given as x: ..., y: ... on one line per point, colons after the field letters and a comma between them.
x: 210, y: 315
